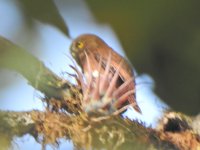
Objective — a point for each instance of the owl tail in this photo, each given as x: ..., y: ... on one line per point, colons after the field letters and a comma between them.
x: 132, y: 100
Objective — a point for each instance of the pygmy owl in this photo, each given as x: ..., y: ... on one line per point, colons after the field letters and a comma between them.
x: 90, y: 52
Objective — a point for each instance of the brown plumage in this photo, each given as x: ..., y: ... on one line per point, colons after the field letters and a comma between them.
x: 94, y: 56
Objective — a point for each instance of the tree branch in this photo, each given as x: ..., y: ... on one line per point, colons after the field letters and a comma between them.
x: 15, y: 58
x: 175, y: 130
x: 84, y: 131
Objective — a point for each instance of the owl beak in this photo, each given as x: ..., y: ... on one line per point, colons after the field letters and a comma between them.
x: 73, y: 54
x: 73, y: 50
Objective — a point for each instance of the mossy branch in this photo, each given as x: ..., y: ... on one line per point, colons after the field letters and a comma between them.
x: 176, y: 131
x: 84, y: 131
x: 14, y: 57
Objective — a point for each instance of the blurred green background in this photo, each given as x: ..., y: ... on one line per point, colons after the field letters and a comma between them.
x: 161, y: 38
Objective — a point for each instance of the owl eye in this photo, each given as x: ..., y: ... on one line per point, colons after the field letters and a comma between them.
x: 79, y: 45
